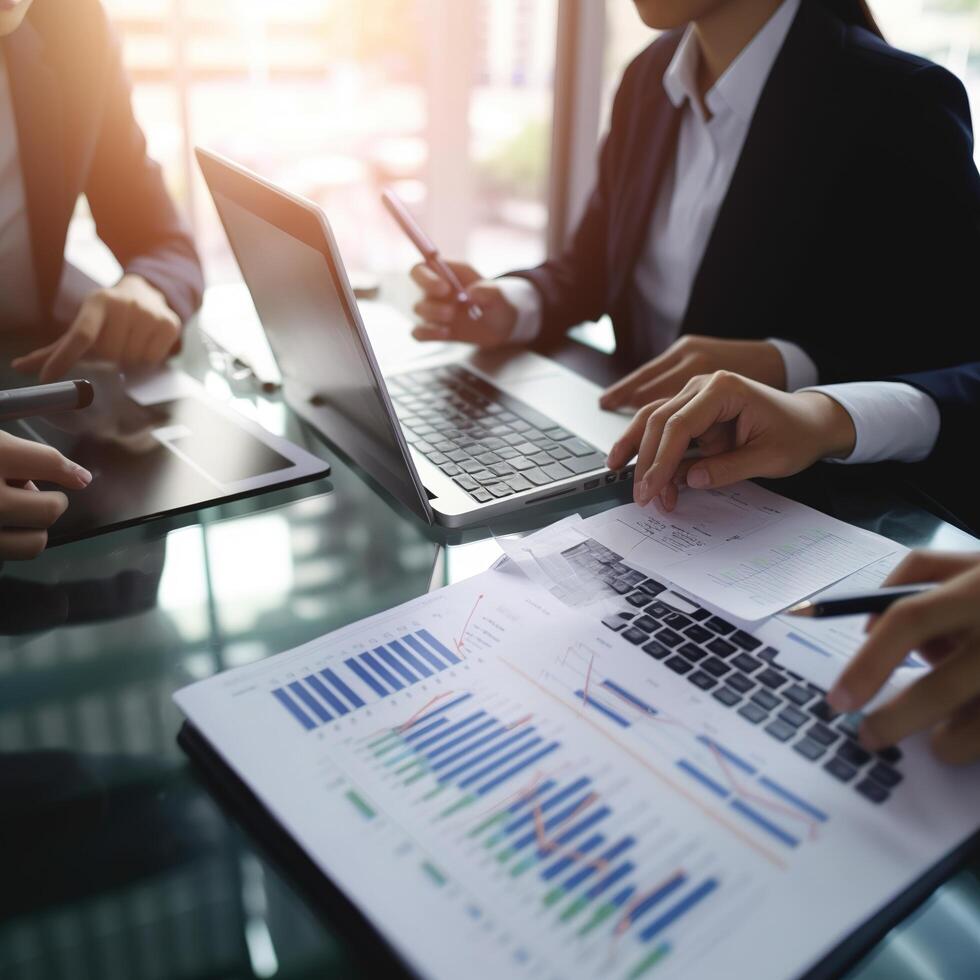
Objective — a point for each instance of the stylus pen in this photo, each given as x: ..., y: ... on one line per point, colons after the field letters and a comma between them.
x: 430, y: 253
x: 858, y: 602
x: 63, y: 396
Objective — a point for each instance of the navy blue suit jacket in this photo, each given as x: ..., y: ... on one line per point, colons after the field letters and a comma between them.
x: 77, y: 135
x: 947, y: 474
x: 851, y: 225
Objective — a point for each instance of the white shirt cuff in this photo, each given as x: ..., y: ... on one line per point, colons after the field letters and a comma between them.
x: 522, y: 295
x: 891, y: 420
x: 801, y: 372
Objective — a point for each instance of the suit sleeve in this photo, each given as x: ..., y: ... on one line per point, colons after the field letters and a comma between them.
x: 133, y: 212
x: 956, y: 391
x: 574, y: 287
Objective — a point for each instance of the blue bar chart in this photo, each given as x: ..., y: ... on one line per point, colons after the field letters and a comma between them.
x: 321, y: 697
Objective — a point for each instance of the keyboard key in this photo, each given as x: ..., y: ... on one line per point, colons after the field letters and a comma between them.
x: 715, y: 667
x: 676, y: 621
x: 521, y: 463
x: 450, y: 469
x: 670, y: 638
x: 798, y: 695
x: 579, y: 447
x: 517, y: 483
x: 700, y: 679
x: 823, y: 711
x: 638, y: 599
x: 557, y: 471
x: 780, y: 730
x: 809, y: 749
x: 753, y: 713
x: 651, y: 586
x: 745, y: 640
x: 500, y: 490
x: 771, y: 678
x: 621, y: 587
x: 558, y: 433
x: 852, y: 753
x: 492, y: 443
x: 538, y: 458
x: 471, y: 466
x: 697, y: 633
x: 501, y: 469
x: 721, y: 647
x: 769, y: 654
x: 718, y: 625
x: 656, y: 650
x: 437, y: 458
x: 892, y: 754
x: 488, y: 459
x: 871, y: 790
x: 692, y: 652
x: 484, y: 476
x: 646, y: 623
x: 700, y: 614
x: 745, y: 663
x: 678, y: 665
x: 793, y: 716
x: 822, y: 734
x: 885, y: 775
x: 839, y: 769
x: 635, y: 636
x: 726, y: 696
x: 740, y: 682
x: 659, y: 610
x: 617, y: 621
x: 466, y: 482
x: 766, y: 699
x: 481, y: 495
x: 850, y: 725
x: 585, y: 464
x: 558, y: 453
x: 537, y: 476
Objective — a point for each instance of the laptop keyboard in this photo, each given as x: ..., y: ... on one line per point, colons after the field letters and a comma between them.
x: 491, y: 444
x: 741, y: 673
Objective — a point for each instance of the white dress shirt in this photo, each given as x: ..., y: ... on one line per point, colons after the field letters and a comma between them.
x: 693, y: 190
x: 891, y: 420
x: 18, y: 292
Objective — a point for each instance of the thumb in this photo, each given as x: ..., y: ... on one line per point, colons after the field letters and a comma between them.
x: 487, y: 294
x: 728, y: 468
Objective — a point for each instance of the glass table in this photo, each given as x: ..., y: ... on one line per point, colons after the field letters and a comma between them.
x: 115, y: 862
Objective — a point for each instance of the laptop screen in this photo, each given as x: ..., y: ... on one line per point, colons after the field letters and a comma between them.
x: 297, y: 282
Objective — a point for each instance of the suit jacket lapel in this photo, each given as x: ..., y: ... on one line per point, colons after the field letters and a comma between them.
x: 771, y: 193
x: 37, y: 106
x: 651, y: 145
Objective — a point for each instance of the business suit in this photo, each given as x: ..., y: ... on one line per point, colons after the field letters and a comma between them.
x: 77, y: 135
x: 852, y: 220
x: 947, y: 473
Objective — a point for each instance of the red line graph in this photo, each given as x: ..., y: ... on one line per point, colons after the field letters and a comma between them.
x: 461, y: 639
x: 627, y: 917
x: 550, y: 845
x: 418, y: 714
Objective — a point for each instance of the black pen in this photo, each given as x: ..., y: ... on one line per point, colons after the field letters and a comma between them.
x: 857, y: 602
x: 62, y: 396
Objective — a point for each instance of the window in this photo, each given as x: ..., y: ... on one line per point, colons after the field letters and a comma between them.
x: 448, y: 101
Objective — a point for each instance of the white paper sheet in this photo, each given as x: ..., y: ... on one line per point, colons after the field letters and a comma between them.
x: 746, y: 550
x: 530, y: 795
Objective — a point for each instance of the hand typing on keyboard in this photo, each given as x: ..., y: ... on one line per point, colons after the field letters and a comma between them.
x: 944, y: 626
x: 444, y: 319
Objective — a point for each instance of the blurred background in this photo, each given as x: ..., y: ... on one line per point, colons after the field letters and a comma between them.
x: 454, y: 102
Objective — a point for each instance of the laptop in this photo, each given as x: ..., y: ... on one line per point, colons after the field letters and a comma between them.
x: 460, y: 436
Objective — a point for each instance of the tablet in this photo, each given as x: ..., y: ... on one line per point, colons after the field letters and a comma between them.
x: 158, y: 444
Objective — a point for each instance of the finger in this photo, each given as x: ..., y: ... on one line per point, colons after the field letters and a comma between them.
x: 902, y: 628
x: 668, y: 497
x: 20, y: 545
x: 25, y: 460
x: 957, y: 741
x: 29, y: 363
x: 426, y: 332
x: 117, y: 323
x: 437, y: 312
x: 625, y: 448
x: 21, y: 508
x: 934, y: 697
x: 76, y: 342
x: 665, y: 385
x: 931, y: 566
x: 617, y: 395
x: 429, y: 282
x: 743, y: 463
x: 138, y: 339
x: 162, y: 343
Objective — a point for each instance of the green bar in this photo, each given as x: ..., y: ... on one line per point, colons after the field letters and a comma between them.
x: 504, y: 856
x: 649, y: 962
x: 417, y: 777
x: 361, y: 804
x: 393, y: 744
x: 381, y: 741
x: 554, y: 895
x: 398, y: 758
x: 441, y: 788
x: 489, y: 822
x: 409, y: 765
x: 519, y: 869
x: 434, y: 873
x: 458, y: 805
x: 574, y: 909
x: 601, y: 915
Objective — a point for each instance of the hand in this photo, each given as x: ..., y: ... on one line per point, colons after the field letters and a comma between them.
x: 690, y: 356
x: 944, y: 626
x: 26, y: 512
x: 129, y: 324
x: 741, y: 429
x: 445, y: 319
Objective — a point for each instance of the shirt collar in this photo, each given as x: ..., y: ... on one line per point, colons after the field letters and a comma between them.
x: 740, y: 87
